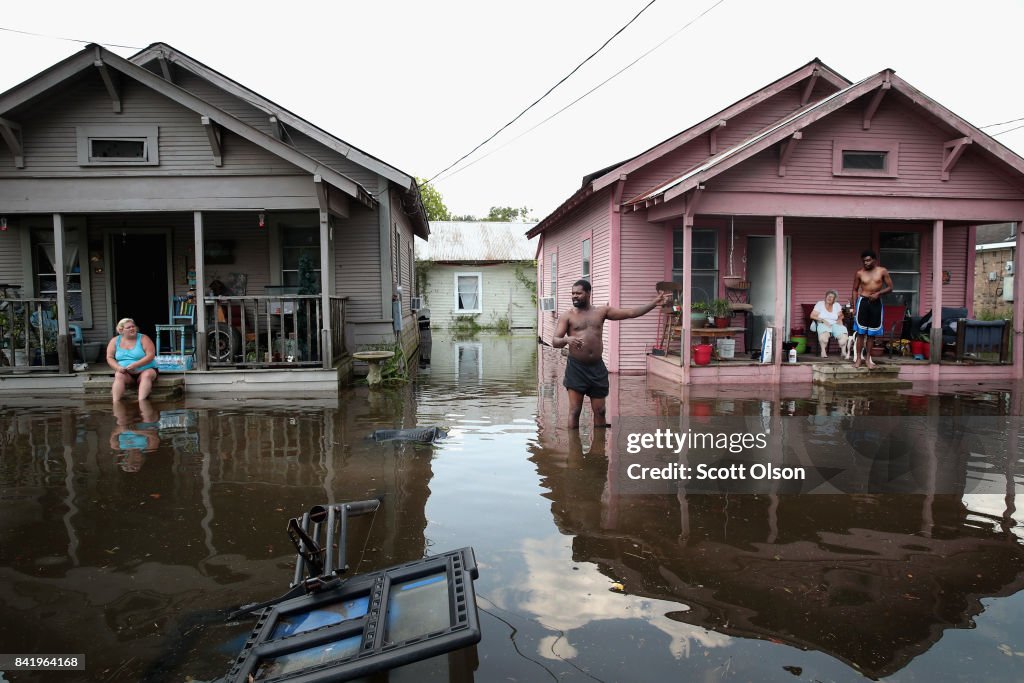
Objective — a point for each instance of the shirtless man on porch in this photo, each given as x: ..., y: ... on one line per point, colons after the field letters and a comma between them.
x: 869, y: 284
x: 580, y: 329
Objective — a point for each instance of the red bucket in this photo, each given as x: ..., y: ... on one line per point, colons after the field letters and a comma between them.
x: 702, y: 354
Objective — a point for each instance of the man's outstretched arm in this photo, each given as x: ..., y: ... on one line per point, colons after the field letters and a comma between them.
x: 626, y: 313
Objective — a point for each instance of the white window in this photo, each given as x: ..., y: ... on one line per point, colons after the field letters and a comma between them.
x: 468, y: 294
x: 118, y: 145
x: 585, y: 269
x: 703, y: 263
x: 900, y: 253
x: 300, y: 259
x: 76, y: 286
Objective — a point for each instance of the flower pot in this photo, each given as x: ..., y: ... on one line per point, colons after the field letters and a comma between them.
x: 877, y: 351
x: 722, y: 321
x: 702, y: 354
x: 698, y: 319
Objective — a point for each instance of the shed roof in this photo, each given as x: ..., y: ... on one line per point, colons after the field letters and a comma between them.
x: 487, y: 241
x: 995, y: 233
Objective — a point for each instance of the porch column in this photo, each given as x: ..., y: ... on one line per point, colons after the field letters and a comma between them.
x: 1018, y: 303
x: 684, y: 316
x: 63, y: 355
x: 936, y: 332
x: 780, y: 299
x: 326, y: 287
x: 197, y: 222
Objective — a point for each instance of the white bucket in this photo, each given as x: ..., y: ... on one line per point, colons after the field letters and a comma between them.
x: 726, y: 348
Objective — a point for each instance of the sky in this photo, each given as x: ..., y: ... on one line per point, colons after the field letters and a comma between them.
x: 420, y: 84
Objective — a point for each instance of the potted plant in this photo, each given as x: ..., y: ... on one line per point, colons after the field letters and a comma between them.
x: 698, y: 314
x: 921, y: 347
x: 12, y: 329
x: 722, y: 312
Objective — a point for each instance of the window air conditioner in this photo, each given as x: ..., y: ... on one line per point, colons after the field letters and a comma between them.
x: 416, y: 303
x: 547, y: 303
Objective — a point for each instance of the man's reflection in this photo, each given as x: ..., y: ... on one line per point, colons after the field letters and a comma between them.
x: 134, y: 433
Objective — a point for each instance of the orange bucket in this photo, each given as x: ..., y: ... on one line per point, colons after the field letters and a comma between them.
x: 702, y: 354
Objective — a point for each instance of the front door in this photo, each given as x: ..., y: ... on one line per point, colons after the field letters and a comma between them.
x: 761, y: 273
x: 140, y: 279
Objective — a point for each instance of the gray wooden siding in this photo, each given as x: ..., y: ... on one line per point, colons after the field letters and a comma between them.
x: 405, y: 264
x: 50, y: 141
x: 357, y: 266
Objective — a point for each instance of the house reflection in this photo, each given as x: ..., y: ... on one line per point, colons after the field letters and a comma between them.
x: 873, y: 580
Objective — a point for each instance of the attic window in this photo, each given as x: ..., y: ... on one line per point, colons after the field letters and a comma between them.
x: 119, y: 145
x: 865, y: 157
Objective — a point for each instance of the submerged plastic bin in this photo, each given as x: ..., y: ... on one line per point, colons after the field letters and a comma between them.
x: 726, y: 348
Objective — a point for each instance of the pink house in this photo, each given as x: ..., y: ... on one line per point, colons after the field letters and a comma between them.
x: 783, y: 190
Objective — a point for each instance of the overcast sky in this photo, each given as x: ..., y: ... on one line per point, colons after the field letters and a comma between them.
x: 419, y: 84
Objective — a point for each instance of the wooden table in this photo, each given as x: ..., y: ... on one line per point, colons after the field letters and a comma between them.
x: 706, y: 334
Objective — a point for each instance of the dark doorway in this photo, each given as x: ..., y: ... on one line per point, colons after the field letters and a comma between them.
x: 140, y: 280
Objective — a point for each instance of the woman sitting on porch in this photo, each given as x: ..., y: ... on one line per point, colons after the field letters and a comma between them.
x: 828, y: 322
x: 131, y: 355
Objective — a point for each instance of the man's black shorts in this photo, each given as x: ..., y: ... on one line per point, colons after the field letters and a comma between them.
x: 590, y: 380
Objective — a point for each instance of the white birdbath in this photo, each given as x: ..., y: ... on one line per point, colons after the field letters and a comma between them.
x: 373, y: 359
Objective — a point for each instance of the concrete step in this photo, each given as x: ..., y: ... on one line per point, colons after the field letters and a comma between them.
x: 167, y: 387
x: 846, y: 376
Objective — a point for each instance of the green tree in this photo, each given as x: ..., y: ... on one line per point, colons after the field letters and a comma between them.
x: 508, y: 214
x: 433, y: 202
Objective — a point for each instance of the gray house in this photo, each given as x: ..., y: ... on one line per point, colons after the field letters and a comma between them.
x: 157, y: 188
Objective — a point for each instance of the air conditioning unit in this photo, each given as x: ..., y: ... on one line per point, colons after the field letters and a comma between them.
x: 1009, y: 268
x: 417, y: 303
x: 547, y: 303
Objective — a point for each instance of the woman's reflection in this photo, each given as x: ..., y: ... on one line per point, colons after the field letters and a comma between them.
x: 135, y: 433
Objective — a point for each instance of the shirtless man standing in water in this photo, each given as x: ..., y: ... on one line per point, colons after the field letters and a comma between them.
x: 580, y: 328
x: 869, y: 284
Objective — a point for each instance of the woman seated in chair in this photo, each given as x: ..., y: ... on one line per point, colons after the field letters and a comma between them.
x: 827, y: 318
x: 131, y: 355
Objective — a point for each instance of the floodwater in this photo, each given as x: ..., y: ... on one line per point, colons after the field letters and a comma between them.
x: 129, y: 537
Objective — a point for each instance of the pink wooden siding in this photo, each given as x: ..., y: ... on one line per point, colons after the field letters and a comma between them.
x: 696, y: 151
x: 920, y: 161
x: 643, y: 265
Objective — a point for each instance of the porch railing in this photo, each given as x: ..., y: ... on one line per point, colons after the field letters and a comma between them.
x: 28, y: 335
x: 283, y: 331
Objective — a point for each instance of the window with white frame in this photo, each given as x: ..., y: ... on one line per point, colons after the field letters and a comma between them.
x: 703, y: 263
x: 118, y: 145
x: 44, y: 259
x: 585, y: 268
x: 468, y: 294
x: 900, y: 253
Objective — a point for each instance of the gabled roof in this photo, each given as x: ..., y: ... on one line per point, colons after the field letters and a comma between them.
x: 994, y: 233
x: 779, y: 131
x: 158, y: 52
x: 812, y: 72
x: 95, y: 56
x: 480, y: 241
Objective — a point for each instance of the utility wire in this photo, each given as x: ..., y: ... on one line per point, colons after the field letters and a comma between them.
x: 599, y: 85
x: 550, y: 90
x: 1009, y: 130
x: 71, y: 40
x: 993, y: 125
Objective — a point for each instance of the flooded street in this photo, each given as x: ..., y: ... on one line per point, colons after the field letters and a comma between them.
x: 134, y: 550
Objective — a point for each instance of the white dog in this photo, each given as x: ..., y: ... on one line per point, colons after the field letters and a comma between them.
x: 846, y: 346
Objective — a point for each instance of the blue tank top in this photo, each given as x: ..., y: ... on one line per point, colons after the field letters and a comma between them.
x: 126, y: 357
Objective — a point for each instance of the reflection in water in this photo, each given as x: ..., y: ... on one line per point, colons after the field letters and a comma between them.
x: 578, y: 580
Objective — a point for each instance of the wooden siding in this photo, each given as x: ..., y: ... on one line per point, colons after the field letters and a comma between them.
x: 357, y: 267
x: 503, y: 295
x: 406, y: 268
x: 697, y: 150
x: 591, y: 221
x: 51, y: 146
x: 646, y: 255
x: 920, y: 160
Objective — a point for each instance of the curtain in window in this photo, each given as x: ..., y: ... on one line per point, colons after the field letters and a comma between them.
x: 469, y: 298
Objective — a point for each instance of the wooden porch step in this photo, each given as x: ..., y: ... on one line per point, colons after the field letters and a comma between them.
x: 168, y: 387
x: 845, y: 376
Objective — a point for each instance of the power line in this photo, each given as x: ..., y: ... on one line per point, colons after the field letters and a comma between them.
x: 1009, y: 130
x: 599, y: 85
x: 70, y: 40
x: 550, y: 90
x: 993, y: 125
